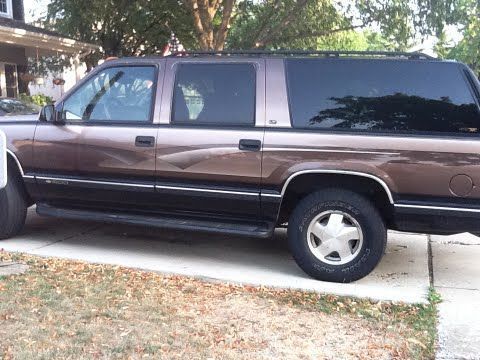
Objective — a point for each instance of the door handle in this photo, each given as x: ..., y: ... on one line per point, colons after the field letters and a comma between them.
x: 144, y: 141
x: 250, y: 145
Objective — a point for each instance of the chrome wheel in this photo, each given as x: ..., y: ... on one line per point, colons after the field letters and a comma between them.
x: 334, y: 237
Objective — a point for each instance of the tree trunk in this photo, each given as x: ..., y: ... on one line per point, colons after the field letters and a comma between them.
x: 222, y: 31
x: 211, y: 37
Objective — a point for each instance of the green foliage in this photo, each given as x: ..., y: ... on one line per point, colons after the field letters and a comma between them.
x: 394, y: 19
x: 347, y: 40
x: 468, y: 49
x: 426, y: 322
x: 136, y: 28
x: 38, y: 99
x: 43, y: 65
x: 321, y: 24
x: 443, y: 46
x: 355, y: 40
x: 121, y: 27
x: 272, y: 24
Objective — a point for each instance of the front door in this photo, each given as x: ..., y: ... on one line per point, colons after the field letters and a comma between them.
x: 114, y: 164
x: 11, y: 80
x: 8, y: 80
x: 209, y: 141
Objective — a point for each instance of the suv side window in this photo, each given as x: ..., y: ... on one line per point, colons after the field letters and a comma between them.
x: 123, y: 93
x: 221, y: 94
x: 381, y: 96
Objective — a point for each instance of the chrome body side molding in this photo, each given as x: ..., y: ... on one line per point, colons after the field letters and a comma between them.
x: 65, y: 181
x: 182, y: 188
x: 433, y: 207
x: 57, y: 180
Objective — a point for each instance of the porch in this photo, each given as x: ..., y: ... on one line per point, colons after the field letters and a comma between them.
x: 20, y: 41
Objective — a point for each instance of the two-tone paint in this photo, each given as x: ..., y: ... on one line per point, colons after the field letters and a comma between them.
x: 201, y: 172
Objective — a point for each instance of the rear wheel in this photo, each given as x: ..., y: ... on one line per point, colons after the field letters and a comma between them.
x: 336, y: 235
x: 13, y: 205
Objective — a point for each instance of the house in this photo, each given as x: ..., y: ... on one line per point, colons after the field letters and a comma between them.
x: 20, y: 41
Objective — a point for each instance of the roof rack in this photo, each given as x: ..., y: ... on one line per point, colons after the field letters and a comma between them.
x: 408, y: 55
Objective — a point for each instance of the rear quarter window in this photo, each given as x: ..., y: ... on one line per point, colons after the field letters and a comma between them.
x: 375, y: 95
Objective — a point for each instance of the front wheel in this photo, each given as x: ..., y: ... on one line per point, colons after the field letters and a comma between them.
x: 336, y: 235
x: 13, y: 205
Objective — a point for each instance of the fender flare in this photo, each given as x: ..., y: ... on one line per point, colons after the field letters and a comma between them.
x: 342, y: 172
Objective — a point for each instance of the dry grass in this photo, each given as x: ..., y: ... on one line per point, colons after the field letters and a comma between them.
x: 70, y: 310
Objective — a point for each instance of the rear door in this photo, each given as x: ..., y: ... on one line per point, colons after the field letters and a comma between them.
x: 208, y: 153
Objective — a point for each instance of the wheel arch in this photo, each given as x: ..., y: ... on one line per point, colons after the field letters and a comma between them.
x: 339, y: 172
x: 303, y: 182
x: 14, y: 159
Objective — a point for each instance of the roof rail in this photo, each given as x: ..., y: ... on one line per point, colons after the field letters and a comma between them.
x: 408, y: 55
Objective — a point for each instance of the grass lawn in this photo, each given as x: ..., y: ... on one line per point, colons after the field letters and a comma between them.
x: 63, y: 309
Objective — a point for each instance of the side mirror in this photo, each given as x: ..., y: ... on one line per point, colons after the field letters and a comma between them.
x: 48, y: 113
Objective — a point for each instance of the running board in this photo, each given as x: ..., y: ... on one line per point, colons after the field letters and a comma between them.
x: 193, y: 224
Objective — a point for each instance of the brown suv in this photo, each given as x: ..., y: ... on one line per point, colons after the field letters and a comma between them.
x: 341, y: 146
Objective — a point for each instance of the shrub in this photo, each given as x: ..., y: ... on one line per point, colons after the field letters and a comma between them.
x: 38, y: 99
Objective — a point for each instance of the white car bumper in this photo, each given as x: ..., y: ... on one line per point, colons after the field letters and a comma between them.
x: 3, y: 160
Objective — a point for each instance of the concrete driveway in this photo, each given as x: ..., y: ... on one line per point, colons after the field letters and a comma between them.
x: 404, y: 274
x: 456, y: 272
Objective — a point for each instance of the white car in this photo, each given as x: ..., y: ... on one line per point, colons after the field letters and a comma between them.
x: 18, y: 110
x: 3, y: 160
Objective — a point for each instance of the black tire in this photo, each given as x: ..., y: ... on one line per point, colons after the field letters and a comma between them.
x: 361, y: 210
x: 13, y: 205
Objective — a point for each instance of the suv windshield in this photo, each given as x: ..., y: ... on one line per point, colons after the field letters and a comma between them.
x: 10, y: 107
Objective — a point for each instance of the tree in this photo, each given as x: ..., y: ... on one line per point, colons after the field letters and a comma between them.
x: 364, y: 40
x: 125, y: 27
x: 211, y: 19
x: 283, y: 23
x: 468, y: 49
x: 260, y: 24
x: 121, y: 27
x: 286, y: 24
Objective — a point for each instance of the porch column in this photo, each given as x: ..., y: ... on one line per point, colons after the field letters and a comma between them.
x: 76, y: 66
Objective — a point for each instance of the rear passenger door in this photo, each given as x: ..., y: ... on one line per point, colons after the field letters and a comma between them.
x: 208, y: 153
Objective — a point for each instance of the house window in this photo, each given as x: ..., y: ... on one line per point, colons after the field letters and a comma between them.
x: 6, y: 8
x: 3, y: 6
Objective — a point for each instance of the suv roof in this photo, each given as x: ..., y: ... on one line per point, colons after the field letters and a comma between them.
x: 303, y: 53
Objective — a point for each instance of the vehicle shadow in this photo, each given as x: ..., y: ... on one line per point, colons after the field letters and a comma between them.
x: 89, y: 241
x: 402, y: 275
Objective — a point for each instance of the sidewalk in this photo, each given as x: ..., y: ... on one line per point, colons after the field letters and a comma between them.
x: 456, y: 270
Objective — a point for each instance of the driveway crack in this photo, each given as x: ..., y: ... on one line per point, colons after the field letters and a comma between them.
x: 457, y: 288
x: 455, y: 243
x: 430, y: 261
